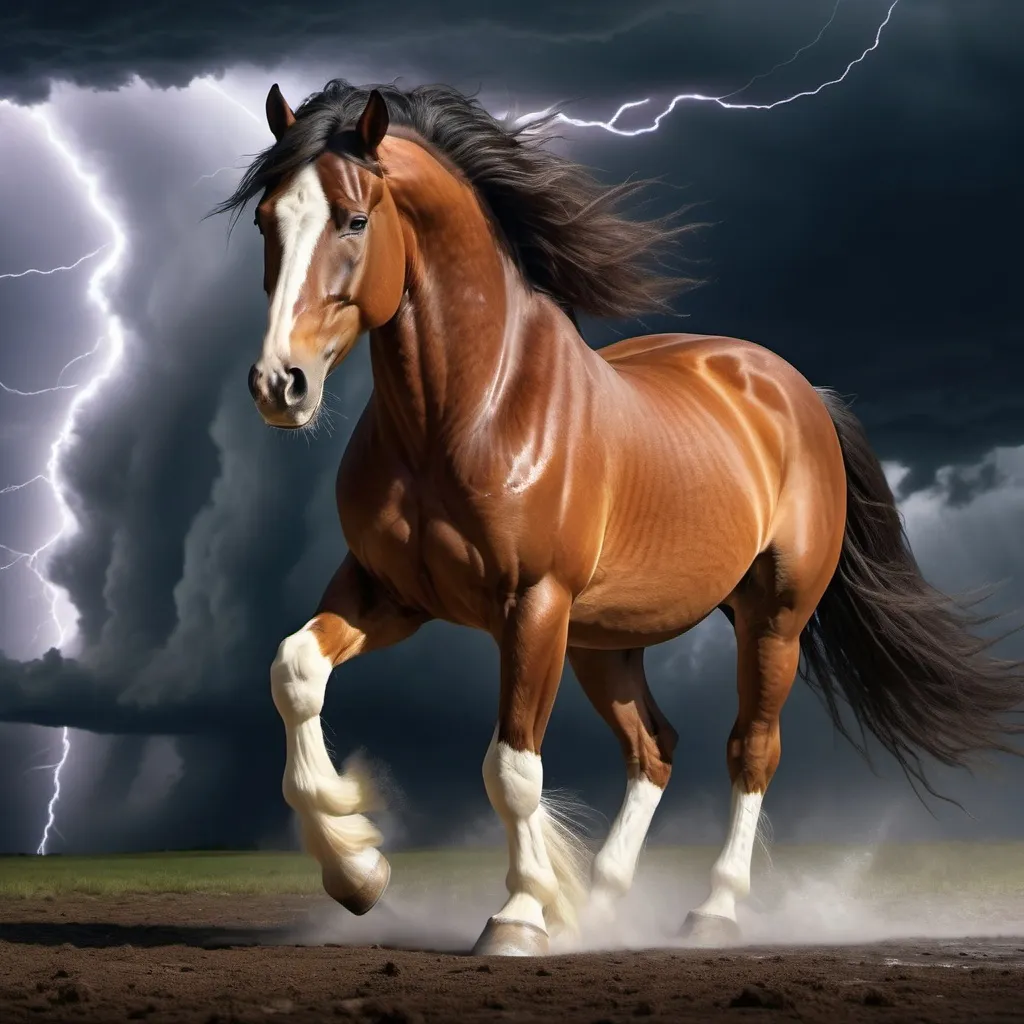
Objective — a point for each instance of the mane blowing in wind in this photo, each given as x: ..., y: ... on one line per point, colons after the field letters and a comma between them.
x: 566, y: 231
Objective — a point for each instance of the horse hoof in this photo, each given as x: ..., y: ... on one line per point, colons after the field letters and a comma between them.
x: 710, y: 931
x: 364, y: 898
x: 511, y: 938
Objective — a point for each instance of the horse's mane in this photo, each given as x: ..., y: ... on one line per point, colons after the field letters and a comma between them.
x: 564, y: 229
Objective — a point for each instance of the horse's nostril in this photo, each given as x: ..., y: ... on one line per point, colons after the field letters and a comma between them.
x: 296, y: 388
x: 254, y: 376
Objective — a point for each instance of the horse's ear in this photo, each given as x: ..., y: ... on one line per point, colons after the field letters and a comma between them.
x: 373, y: 123
x: 279, y: 114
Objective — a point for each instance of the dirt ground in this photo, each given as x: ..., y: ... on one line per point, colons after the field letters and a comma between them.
x: 215, y: 959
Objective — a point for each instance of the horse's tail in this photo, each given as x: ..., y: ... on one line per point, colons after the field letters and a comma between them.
x: 900, y: 652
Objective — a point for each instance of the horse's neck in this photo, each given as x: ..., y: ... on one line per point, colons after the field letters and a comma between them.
x: 455, y: 347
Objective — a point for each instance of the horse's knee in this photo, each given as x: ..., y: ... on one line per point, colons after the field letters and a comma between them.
x: 661, y: 729
x: 753, y: 755
x: 649, y: 752
x: 514, y: 780
x: 298, y: 677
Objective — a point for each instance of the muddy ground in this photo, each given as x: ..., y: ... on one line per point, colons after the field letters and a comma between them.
x: 215, y: 959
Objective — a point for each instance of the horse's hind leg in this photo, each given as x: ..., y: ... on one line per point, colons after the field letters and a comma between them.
x: 615, y: 683
x: 767, y: 668
x: 771, y: 608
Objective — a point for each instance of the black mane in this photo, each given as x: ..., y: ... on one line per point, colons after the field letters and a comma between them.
x: 564, y: 229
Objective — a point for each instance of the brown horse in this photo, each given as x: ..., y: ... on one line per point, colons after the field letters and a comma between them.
x: 506, y: 476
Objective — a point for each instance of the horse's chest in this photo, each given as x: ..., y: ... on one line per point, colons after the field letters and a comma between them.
x: 424, y: 558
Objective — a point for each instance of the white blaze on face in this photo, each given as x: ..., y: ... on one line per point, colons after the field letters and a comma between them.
x: 302, y: 212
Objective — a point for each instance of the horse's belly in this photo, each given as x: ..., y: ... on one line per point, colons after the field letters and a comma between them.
x: 667, y: 573
x: 646, y: 605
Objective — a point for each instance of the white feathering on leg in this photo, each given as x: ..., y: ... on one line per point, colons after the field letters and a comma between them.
x: 328, y: 803
x: 570, y: 861
x: 547, y: 862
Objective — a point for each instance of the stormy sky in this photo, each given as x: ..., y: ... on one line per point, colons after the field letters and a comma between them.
x: 870, y: 234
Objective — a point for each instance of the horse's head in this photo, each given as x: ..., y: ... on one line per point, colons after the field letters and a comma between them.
x: 333, y: 263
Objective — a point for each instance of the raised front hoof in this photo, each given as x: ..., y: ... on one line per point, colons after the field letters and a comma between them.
x: 511, y: 938
x: 364, y: 898
x: 710, y: 931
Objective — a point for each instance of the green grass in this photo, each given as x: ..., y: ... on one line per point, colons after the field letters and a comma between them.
x: 897, y: 869
x: 158, y: 872
x: 211, y: 872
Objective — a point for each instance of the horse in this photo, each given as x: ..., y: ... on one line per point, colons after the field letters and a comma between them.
x: 569, y: 501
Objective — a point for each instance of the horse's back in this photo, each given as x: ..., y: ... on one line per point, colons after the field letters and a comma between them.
x: 658, y: 347
x: 721, y: 446
x: 732, y: 360
x: 775, y: 399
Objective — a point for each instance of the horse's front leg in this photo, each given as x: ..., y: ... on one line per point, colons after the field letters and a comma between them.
x: 547, y: 865
x: 354, y: 617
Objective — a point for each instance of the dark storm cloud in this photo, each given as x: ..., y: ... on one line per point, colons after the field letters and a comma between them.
x: 888, y: 199
x: 869, y: 234
x: 598, y: 46
x: 856, y: 233
x: 103, y: 43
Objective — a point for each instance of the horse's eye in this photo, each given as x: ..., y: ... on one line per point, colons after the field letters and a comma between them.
x: 357, y: 223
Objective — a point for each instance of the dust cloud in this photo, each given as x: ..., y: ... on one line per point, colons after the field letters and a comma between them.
x: 801, y: 896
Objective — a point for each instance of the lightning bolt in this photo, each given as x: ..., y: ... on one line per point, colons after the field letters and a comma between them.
x: 722, y: 101
x: 31, y: 394
x: 53, y: 270
x: 210, y: 84
x: 785, y: 63
x: 213, y: 174
x: 58, y: 386
x: 112, y: 340
x: 51, y: 807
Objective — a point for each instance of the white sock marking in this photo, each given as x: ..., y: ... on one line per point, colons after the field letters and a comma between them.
x: 514, y: 780
x: 730, y: 875
x: 327, y: 803
x: 615, y: 863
